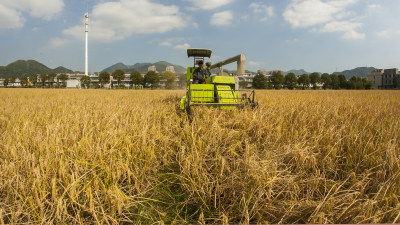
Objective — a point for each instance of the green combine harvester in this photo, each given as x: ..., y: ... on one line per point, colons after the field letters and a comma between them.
x: 217, y: 90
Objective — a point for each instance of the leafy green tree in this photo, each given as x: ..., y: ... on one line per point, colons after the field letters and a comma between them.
x: 33, y: 79
x: 170, y: 79
x: 260, y: 81
x: 343, y: 84
x: 367, y: 84
x: 43, y: 79
x: 151, y: 79
x: 356, y: 83
x: 277, y: 80
x: 304, y: 81
x: 24, y: 81
x: 104, y: 78
x: 63, y: 78
x: 315, y: 78
x: 291, y: 81
x: 397, y: 81
x: 13, y: 80
x: 326, y: 81
x: 6, y: 82
x: 334, y: 81
x: 119, y: 75
x: 136, y: 78
x: 243, y: 84
x: 85, y: 81
x: 51, y: 78
x: 182, y: 80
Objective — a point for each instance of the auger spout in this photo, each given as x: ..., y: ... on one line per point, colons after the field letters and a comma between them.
x: 241, y: 63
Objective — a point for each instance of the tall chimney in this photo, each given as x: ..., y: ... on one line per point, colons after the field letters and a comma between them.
x: 86, y: 42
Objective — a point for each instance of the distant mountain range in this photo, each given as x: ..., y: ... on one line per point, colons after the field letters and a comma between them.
x: 297, y: 72
x: 22, y: 68
x: 358, y: 72
x: 142, y: 67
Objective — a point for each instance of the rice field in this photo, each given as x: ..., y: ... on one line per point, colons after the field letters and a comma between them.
x: 124, y: 156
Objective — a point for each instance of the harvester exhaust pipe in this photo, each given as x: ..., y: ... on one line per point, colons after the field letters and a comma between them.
x: 241, y: 63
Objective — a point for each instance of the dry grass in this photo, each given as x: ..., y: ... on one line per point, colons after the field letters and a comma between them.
x: 98, y: 156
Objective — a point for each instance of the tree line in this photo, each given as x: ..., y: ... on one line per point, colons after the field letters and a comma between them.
x: 314, y: 81
x: 150, y: 80
x: 42, y: 80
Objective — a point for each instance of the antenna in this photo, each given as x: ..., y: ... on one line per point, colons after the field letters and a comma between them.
x: 86, y: 42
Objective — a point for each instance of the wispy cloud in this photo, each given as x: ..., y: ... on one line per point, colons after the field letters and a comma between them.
x: 221, y: 18
x: 209, y: 4
x: 254, y: 63
x: 55, y: 43
x: 265, y: 11
x: 291, y: 41
x: 383, y: 34
x: 374, y: 6
x: 183, y: 46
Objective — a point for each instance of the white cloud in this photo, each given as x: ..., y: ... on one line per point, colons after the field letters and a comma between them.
x: 57, y: 42
x: 209, y: 4
x: 10, y: 18
x: 374, y: 6
x: 11, y: 11
x: 324, y: 16
x: 383, y: 34
x: 264, y: 10
x: 295, y: 40
x: 170, y: 41
x: 183, y: 46
x: 165, y: 43
x: 222, y: 18
x: 112, y: 21
x: 348, y: 28
x: 254, y: 63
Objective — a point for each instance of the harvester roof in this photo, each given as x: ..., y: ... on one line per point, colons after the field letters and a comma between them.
x: 197, y: 52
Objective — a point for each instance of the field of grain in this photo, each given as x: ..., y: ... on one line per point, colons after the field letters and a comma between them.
x: 106, y: 156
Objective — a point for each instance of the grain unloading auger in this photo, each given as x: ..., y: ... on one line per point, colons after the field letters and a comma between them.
x: 218, y: 90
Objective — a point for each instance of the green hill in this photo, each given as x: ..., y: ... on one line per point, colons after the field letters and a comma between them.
x: 61, y: 69
x: 297, y: 72
x: 142, y: 67
x: 358, y: 72
x: 22, y: 68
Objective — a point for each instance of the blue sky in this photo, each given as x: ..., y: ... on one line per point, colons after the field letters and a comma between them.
x: 315, y: 35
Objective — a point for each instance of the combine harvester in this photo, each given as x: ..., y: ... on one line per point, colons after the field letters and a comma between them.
x: 219, y: 90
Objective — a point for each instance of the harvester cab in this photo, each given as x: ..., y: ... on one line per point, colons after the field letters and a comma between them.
x: 217, y: 90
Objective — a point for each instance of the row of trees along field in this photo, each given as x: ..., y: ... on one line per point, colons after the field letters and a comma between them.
x: 305, y: 81
x: 150, y: 80
x: 42, y: 80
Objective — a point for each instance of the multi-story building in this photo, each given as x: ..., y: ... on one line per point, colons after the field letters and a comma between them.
x: 389, y: 78
x: 385, y: 78
x: 152, y: 68
x: 263, y: 72
x: 170, y: 69
x: 276, y: 71
x: 376, y: 77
